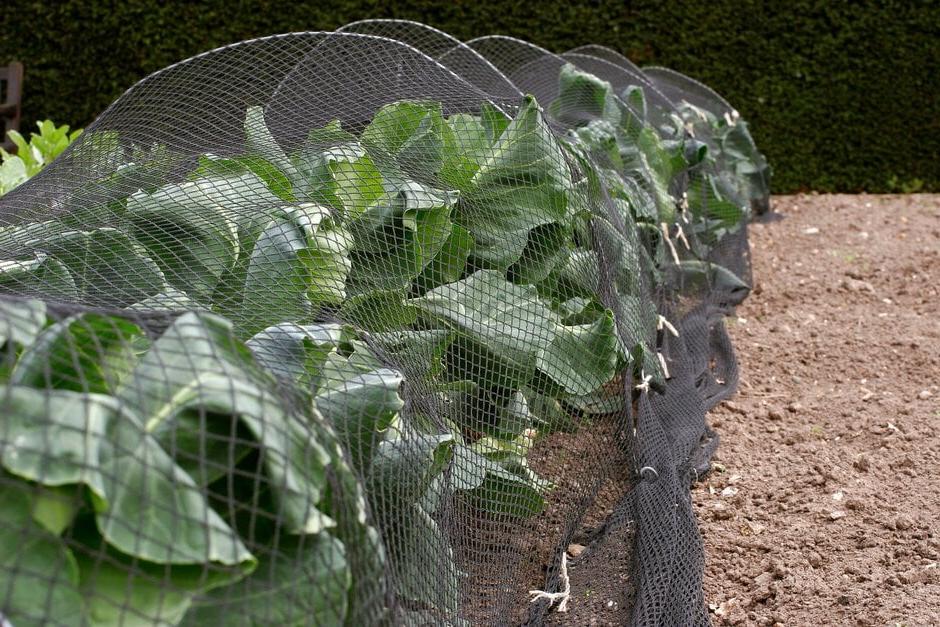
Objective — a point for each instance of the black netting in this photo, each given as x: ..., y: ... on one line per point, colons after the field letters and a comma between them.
x: 370, y: 327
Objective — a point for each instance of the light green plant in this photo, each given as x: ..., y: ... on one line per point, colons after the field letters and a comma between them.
x: 33, y: 155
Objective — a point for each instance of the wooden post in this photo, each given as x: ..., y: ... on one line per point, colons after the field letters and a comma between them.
x: 11, y: 88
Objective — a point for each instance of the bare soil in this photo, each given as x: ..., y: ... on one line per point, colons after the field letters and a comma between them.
x: 589, y: 470
x: 826, y: 505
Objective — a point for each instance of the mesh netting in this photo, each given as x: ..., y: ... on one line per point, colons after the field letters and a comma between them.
x: 370, y: 327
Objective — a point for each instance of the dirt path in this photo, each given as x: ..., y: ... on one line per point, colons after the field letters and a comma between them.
x: 827, y: 506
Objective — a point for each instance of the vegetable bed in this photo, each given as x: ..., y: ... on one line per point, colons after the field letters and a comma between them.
x: 246, y: 386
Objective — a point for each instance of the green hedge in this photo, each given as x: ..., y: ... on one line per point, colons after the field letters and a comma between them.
x: 841, y: 96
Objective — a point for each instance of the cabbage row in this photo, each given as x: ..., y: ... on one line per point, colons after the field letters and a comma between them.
x: 262, y: 437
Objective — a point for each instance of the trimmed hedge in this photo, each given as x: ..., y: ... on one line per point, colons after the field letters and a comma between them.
x: 841, y: 96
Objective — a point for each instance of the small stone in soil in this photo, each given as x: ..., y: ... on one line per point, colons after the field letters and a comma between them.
x: 756, y: 527
x: 814, y: 559
x: 722, y: 512
x: 854, y: 285
x: 902, y: 523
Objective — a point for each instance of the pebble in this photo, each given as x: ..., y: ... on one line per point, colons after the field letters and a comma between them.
x: 863, y: 463
x: 722, y: 512
x: 755, y: 527
x: 902, y: 523
x: 924, y: 395
x: 854, y: 285
x: 854, y: 504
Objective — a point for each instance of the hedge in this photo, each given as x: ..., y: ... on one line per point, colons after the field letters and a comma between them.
x: 841, y: 96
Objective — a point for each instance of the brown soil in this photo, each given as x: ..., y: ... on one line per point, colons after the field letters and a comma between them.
x: 599, y: 569
x: 589, y: 474
x: 826, y: 509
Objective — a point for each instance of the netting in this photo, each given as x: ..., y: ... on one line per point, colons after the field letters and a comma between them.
x: 370, y: 327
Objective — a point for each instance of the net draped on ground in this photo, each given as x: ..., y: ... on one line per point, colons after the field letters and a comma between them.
x: 284, y: 333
